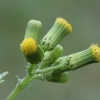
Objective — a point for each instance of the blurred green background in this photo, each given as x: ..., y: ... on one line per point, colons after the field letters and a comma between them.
x: 84, y: 16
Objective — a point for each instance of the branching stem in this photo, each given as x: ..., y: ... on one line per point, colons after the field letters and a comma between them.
x: 20, y: 86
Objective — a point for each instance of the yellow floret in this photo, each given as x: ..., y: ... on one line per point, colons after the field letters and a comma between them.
x: 96, y: 51
x: 28, y: 46
x: 65, y: 24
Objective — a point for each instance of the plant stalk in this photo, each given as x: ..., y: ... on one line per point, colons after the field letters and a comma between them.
x: 20, y: 86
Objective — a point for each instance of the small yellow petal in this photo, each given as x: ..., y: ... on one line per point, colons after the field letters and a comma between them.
x: 96, y: 51
x: 28, y: 46
x: 64, y: 23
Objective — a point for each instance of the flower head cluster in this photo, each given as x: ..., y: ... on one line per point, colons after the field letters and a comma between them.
x: 47, y: 54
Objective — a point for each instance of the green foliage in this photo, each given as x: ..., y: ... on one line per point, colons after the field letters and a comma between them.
x: 2, y: 76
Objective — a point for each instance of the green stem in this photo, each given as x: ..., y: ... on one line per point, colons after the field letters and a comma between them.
x: 20, y: 86
x: 48, y: 69
x: 28, y: 78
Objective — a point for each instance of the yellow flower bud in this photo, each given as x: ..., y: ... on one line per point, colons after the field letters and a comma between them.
x: 31, y: 50
x: 59, y: 30
x: 79, y: 59
x: 28, y: 46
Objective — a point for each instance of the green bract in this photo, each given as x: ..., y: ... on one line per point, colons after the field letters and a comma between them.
x: 51, y: 56
x: 58, y: 31
x: 33, y: 29
x: 57, y: 77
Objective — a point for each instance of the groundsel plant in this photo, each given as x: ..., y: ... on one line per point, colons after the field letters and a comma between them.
x: 44, y: 59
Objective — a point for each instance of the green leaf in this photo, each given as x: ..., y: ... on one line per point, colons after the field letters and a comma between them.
x: 2, y: 76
